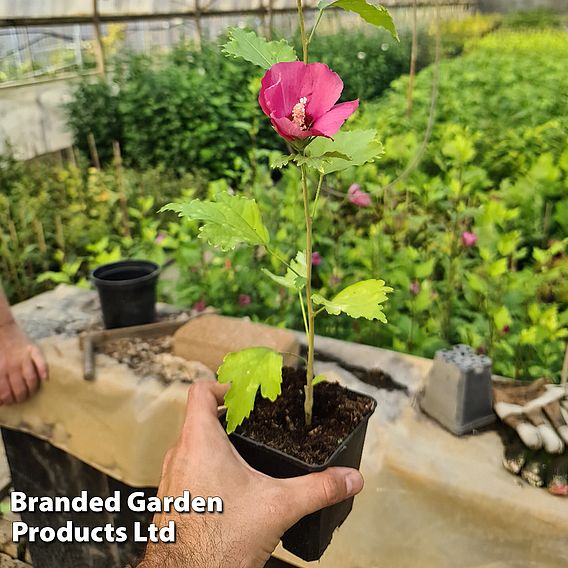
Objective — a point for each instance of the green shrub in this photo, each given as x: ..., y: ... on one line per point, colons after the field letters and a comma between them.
x: 509, y: 95
x: 496, y: 165
x: 66, y: 220
x: 94, y: 109
x: 539, y: 18
x: 187, y: 110
x: 367, y: 61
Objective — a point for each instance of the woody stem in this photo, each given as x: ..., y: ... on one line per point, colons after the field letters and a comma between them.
x: 309, y: 388
x: 302, y: 29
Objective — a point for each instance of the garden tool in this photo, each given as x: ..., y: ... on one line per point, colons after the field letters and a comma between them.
x: 538, y: 412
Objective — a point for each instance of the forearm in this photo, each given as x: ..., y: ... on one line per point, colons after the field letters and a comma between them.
x: 197, y: 545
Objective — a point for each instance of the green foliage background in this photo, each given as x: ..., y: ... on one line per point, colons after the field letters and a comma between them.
x: 496, y: 165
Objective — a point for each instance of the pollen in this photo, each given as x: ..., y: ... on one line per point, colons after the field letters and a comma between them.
x: 299, y: 113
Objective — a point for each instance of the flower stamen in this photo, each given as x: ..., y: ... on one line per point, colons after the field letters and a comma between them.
x: 299, y: 113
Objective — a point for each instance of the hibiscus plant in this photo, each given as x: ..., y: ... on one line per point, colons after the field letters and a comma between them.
x: 300, y: 99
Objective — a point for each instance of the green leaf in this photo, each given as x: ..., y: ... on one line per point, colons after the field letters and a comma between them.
x: 317, y: 163
x: 319, y: 379
x: 356, y: 147
x: 257, y: 50
x: 296, y: 275
x: 336, y: 154
x: 378, y: 16
x: 498, y: 268
x: 476, y: 283
x: 280, y: 161
x: 55, y: 277
x: 247, y: 370
x: 362, y: 299
x: 227, y: 222
x: 528, y: 336
x: 502, y: 318
x: 424, y: 269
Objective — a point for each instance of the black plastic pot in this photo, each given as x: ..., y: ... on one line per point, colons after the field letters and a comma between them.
x: 127, y: 290
x: 310, y: 536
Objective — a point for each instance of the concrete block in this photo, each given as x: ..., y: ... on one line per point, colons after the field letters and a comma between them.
x: 458, y: 391
x: 210, y: 337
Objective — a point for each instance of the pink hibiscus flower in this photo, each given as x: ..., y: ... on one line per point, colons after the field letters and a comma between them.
x: 415, y: 288
x: 244, y: 300
x: 468, y: 239
x: 357, y: 196
x: 299, y: 98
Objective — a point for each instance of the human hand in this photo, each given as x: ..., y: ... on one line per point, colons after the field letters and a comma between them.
x: 258, y: 509
x: 22, y: 366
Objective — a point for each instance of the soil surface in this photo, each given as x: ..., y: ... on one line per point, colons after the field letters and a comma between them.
x: 376, y: 377
x: 281, y: 424
x: 153, y: 358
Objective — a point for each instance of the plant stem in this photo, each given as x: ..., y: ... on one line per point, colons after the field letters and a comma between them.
x: 303, y: 313
x: 302, y: 29
x: 315, y: 27
x: 309, y: 389
x: 314, y: 208
x: 564, y: 373
x: 280, y: 259
x: 451, y: 262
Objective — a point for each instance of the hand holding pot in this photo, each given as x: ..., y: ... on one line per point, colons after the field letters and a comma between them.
x: 258, y: 509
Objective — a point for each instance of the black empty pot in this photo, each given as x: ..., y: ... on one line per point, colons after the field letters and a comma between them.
x: 127, y: 290
x: 310, y: 536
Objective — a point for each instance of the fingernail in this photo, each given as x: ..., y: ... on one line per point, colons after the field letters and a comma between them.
x: 353, y: 482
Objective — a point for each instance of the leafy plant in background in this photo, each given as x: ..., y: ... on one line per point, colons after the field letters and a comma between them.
x: 300, y: 100
x: 180, y: 110
x: 514, y: 202
x: 93, y: 110
x: 517, y: 164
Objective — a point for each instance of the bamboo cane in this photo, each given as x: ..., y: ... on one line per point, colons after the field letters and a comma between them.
x: 120, y: 186
x: 93, y: 150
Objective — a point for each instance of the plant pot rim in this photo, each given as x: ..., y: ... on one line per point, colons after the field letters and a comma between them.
x: 328, y: 462
x: 97, y: 278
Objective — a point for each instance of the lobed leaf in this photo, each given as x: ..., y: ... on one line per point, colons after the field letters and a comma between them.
x: 247, y: 371
x: 346, y: 149
x: 377, y: 16
x: 280, y: 161
x: 362, y: 299
x: 256, y: 50
x: 295, y: 277
x: 227, y: 222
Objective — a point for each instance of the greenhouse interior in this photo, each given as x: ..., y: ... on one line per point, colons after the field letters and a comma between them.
x: 284, y: 283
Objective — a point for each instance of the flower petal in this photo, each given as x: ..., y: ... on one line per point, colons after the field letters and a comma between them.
x: 287, y: 129
x: 322, y: 87
x: 281, y: 88
x: 272, y: 102
x: 328, y: 124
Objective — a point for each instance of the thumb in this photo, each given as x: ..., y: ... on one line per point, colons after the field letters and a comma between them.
x: 309, y: 493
